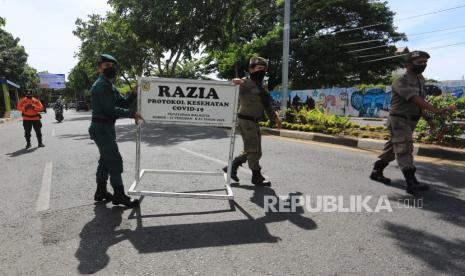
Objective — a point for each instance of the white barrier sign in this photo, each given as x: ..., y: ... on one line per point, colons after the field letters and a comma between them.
x: 192, y: 102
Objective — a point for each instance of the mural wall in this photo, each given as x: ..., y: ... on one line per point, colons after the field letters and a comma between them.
x: 374, y: 102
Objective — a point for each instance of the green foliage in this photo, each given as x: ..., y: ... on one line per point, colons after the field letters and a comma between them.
x: 445, y: 125
x: 364, y: 87
x: 318, y: 56
x: 13, y: 61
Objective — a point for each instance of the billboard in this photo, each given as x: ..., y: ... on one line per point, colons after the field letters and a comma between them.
x: 51, y: 81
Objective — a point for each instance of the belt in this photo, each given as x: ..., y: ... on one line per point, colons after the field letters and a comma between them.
x: 246, y: 117
x: 103, y: 121
x: 407, y: 117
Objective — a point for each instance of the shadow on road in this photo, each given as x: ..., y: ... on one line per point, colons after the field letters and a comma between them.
x: 444, y: 197
x: 21, y: 152
x: 101, y: 232
x: 97, y: 236
x: 162, y: 135
x: 83, y: 118
x: 159, y: 135
x: 444, y: 256
x: 296, y: 218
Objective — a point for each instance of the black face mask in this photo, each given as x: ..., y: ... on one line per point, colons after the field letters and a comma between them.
x: 109, y: 72
x: 258, y: 76
x: 418, y: 69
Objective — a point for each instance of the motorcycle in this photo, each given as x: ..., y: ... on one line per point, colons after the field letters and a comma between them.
x: 59, y: 113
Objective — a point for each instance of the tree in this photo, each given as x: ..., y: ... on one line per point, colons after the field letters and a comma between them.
x: 173, y: 31
x: 319, y: 31
x: 112, y: 35
x: 13, y: 61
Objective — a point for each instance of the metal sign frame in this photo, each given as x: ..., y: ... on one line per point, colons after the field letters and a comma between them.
x: 139, y: 174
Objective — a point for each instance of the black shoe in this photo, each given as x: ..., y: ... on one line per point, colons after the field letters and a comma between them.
x: 233, y: 174
x: 413, y: 185
x: 101, y: 193
x: 379, y: 177
x: 28, y: 145
x: 236, y: 163
x: 258, y: 179
x: 41, y: 145
x: 119, y: 197
x: 377, y: 173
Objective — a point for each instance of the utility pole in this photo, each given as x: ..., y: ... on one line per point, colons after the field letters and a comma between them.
x: 285, y: 74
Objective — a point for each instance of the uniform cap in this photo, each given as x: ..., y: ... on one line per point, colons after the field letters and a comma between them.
x: 416, y: 54
x: 258, y: 61
x: 107, y: 58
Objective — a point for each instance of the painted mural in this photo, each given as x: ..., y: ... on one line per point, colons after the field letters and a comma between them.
x: 340, y: 101
x: 374, y: 102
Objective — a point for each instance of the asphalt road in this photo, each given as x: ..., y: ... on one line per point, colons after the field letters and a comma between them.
x: 50, y: 225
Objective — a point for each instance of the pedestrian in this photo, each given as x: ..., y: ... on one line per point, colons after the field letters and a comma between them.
x: 30, y: 107
x: 254, y: 100
x: 108, y: 106
x: 408, y: 105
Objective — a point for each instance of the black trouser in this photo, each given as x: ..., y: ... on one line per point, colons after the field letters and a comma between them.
x: 28, y: 125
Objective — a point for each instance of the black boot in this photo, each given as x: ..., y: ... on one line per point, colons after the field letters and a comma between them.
x: 28, y: 141
x: 377, y: 173
x: 39, y: 139
x: 258, y: 179
x: 101, y: 193
x: 119, y: 197
x: 236, y: 163
x: 412, y: 183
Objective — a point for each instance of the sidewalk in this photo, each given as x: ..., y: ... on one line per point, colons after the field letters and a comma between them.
x: 368, y: 144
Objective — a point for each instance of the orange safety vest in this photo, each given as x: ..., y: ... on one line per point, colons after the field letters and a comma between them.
x: 30, y: 108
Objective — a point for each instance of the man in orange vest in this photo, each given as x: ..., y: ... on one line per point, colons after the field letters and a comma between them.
x: 30, y: 108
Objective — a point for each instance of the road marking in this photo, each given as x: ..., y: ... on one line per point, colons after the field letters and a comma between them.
x: 43, y: 200
x: 53, y: 132
x: 214, y: 160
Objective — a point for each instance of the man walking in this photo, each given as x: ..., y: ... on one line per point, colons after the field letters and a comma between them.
x: 108, y: 106
x: 407, y: 106
x: 254, y: 100
x: 30, y: 107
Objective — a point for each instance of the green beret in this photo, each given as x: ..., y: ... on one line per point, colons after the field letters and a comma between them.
x: 107, y: 58
x: 258, y: 61
x: 416, y: 54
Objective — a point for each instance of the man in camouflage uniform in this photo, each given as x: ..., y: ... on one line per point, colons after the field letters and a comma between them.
x: 108, y: 106
x: 407, y: 106
x: 254, y: 100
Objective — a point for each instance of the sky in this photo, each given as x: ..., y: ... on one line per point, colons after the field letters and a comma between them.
x: 45, y: 30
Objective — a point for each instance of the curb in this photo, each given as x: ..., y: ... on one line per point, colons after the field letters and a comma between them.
x: 367, y: 144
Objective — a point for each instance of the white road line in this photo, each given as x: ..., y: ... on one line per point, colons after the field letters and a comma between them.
x: 43, y: 200
x: 214, y: 160
x: 53, y: 132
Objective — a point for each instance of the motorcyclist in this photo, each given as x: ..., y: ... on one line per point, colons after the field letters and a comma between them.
x: 58, y: 108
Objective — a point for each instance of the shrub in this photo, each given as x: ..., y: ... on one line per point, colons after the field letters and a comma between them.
x: 445, y: 126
